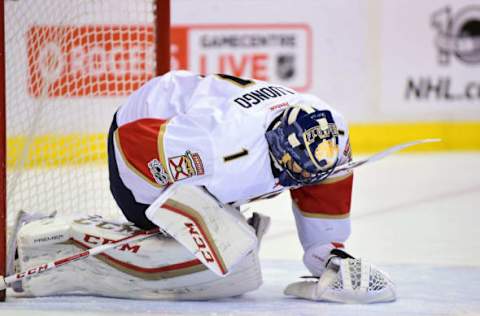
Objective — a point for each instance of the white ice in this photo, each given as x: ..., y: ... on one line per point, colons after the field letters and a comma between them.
x: 416, y: 216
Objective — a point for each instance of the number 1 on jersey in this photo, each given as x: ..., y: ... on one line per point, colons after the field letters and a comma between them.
x: 237, y: 80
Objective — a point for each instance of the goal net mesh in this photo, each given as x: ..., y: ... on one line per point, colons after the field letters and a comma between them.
x: 69, y: 65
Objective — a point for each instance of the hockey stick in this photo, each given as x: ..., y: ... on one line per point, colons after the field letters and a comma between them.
x: 136, y: 237
x: 354, y: 164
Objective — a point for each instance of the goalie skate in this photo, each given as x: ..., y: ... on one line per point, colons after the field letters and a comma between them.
x: 260, y: 223
x: 346, y: 280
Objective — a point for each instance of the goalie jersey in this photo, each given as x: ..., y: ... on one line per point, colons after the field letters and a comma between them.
x: 210, y: 131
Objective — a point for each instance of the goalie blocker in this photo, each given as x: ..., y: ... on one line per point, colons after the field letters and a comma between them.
x: 157, y: 268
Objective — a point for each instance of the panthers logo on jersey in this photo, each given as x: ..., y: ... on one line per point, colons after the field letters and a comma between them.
x: 185, y: 166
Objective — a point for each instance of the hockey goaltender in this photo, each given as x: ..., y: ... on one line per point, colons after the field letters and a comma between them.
x: 185, y: 152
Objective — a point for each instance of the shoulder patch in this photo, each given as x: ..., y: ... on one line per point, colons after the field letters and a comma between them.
x: 185, y: 166
x: 158, y: 172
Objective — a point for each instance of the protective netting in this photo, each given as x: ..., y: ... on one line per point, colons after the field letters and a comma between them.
x: 69, y: 65
x: 337, y: 285
x: 376, y: 279
x: 355, y: 267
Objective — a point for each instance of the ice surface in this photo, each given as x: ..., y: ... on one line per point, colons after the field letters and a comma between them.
x: 422, y: 290
x: 416, y: 216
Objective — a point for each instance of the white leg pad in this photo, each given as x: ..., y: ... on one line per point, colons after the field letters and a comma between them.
x: 218, y: 235
x: 157, y: 268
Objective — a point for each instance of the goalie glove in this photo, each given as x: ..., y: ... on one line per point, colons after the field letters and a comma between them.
x: 346, y: 280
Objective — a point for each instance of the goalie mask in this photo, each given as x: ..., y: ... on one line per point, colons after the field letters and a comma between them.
x: 304, y: 145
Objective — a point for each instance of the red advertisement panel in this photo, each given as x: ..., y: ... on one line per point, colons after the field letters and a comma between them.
x: 88, y: 60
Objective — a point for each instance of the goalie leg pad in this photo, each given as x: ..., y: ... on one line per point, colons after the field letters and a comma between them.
x: 218, y: 235
x: 157, y: 268
x: 12, y: 263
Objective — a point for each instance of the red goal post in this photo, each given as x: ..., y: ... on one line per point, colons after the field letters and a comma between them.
x: 3, y: 154
x: 76, y: 58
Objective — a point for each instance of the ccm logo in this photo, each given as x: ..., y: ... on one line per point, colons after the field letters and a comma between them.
x: 94, y: 240
x: 200, y: 242
x: 32, y: 271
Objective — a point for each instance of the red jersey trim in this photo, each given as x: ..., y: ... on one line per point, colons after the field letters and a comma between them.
x: 325, y: 200
x: 140, y: 142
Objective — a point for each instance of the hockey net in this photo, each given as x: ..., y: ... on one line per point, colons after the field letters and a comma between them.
x: 69, y: 65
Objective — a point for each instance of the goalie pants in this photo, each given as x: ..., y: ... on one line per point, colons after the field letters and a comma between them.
x: 133, y: 211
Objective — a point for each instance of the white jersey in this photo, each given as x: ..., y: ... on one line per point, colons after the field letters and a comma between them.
x: 210, y: 131
x: 204, y: 130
